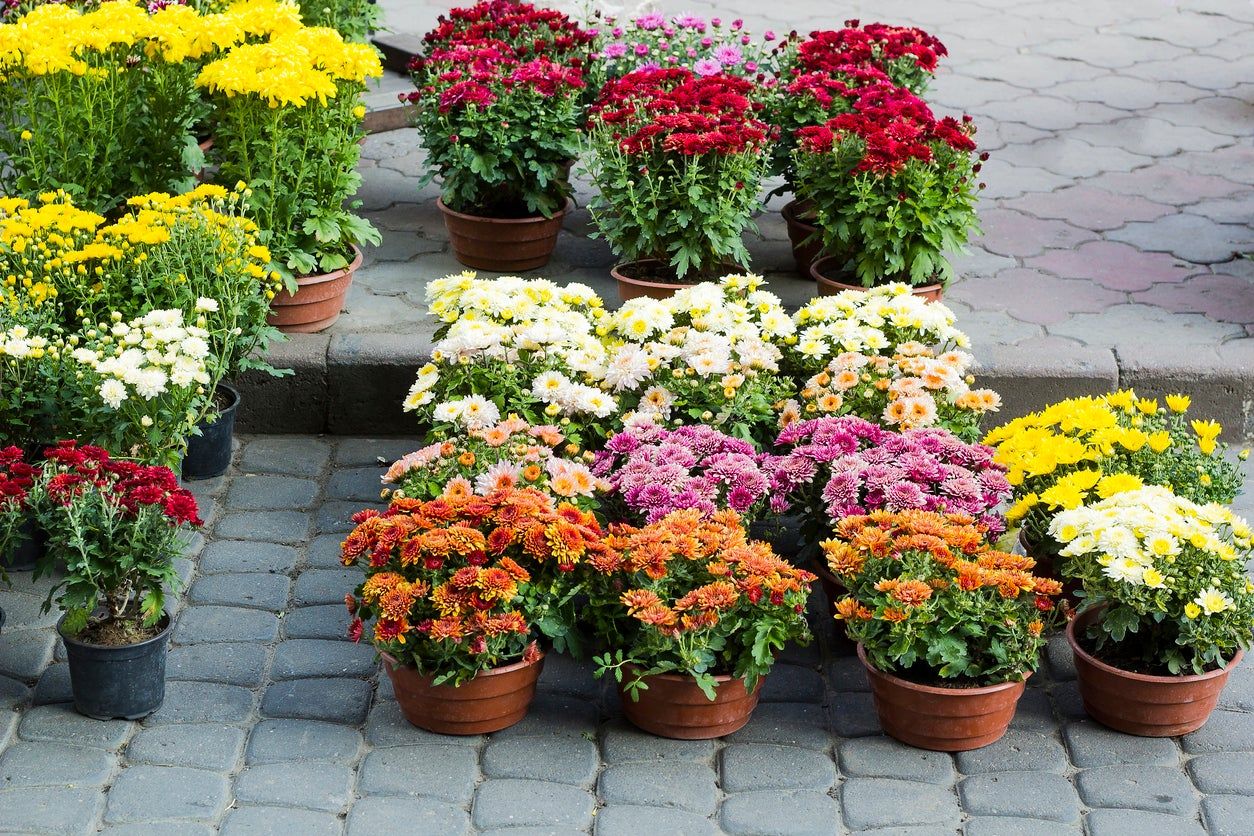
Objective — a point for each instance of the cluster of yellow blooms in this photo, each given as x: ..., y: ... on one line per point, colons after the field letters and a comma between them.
x: 54, y: 37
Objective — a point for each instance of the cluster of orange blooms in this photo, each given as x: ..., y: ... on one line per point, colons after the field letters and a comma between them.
x: 954, y: 542
x: 712, y: 552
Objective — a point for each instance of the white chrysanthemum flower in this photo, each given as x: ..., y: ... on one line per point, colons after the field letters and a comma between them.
x: 628, y: 368
x: 113, y: 392
x: 206, y: 305
x: 477, y: 412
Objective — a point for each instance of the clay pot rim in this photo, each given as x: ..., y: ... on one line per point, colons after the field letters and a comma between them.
x: 792, y: 214
x: 617, y: 273
x: 940, y: 692
x: 320, y: 278
x: 817, y: 275
x: 687, y: 677
x: 570, y: 204
x: 1092, y: 613
x: 490, y: 672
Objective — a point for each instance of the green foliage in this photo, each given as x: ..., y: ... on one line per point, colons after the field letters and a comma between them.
x: 354, y: 19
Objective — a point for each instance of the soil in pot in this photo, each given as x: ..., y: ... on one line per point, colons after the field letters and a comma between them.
x: 830, y: 275
x: 503, y: 244
x: 112, y: 681
x: 673, y: 706
x: 209, y: 453
x: 803, y: 235
x: 317, y: 302
x: 941, y: 718
x: 1142, y: 704
x: 493, y: 700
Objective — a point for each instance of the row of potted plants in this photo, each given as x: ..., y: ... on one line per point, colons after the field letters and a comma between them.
x: 682, y: 119
x: 607, y: 421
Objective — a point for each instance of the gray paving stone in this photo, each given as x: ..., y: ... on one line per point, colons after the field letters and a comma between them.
x: 556, y: 714
x: 511, y: 802
x: 793, y: 683
x: 47, y: 764
x: 1017, y: 751
x: 355, y: 484
x: 61, y: 724
x: 12, y: 693
x: 1092, y: 744
x: 203, y: 702
x: 1138, y: 787
x: 193, y: 794
x: 387, y: 727
x: 372, y: 816
x: 259, y: 590
x: 247, y: 556
x: 684, y: 785
x: 1228, y: 815
x: 447, y: 773
x: 998, y: 826
x: 277, y: 741
x: 181, y: 828
x: 211, y: 746
x: 279, y: 821
x: 747, y: 767
x: 232, y: 663
x: 322, y: 621
x: 270, y: 493
x: 289, y: 527
x: 51, y: 809
x: 202, y: 624
x: 304, y: 658
x: 287, y: 455
x: 564, y: 675
x: 324, y: 552
x: 360, y: 452
x: 335, y: 700
x: 305, y: 784
x: 325, y: 586
x: 1035, y: 712
x: 883, y: 757
x: 53, y: 686
x: 853, y: 715
x: 24, y: 654
x: 625, y: 820
x: 789, y: 724
x: 886, y: 802
x: 565, y: 760
x: 780, y: 814
x: 1225, y: 731
x: 1137, y: 822
x: 622, y: 742
x: 846, y: 673
x: 1033, y: 795
x: 1224, y: 772
x: 337, y: 516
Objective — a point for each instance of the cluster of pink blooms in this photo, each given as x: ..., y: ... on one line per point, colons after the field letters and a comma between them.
x: 654, y: 41
x: 655, y: 471
x: 868, y: 468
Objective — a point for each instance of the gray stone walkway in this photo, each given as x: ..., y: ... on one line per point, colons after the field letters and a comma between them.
x: 274, y: 723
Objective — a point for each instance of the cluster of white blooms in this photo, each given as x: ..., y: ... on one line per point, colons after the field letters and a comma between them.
x: 145, y: 357
x: 19, y: 344
x: 871, y: 322
x: 507, y: 299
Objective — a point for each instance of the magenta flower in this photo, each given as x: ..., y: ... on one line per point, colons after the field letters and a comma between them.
x: 707, y: 67
x: 615, y: 50
x: 728, y: 56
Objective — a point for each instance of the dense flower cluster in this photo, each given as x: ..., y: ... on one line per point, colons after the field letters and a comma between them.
x: 707, y: 47
x: 16, y: 478
x: 511, y: 454
x: 906, y: 54
x: 458, y: 584
x: 73, y: 470
x: 523, y: 28
x: 926, y: 590
x: 1170, y: 572
x: 654, y: 471
x: 676, y: 111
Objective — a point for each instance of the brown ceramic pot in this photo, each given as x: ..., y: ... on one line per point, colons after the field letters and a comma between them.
x: 673, y: 706
x: 941, y: 719
x: 823, y: 267
x: 493, y: 700
x: 502, y: 245
x: 630, y: 287
x: 317, y: 302
x: 806, y: 244
x: 1140, y: 704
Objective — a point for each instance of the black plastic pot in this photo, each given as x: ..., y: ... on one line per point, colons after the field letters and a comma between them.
x: 209, y: 454
x: 126, y: 682
x: 1, y: 621
x: 783, y: 533
x: 30, y: 548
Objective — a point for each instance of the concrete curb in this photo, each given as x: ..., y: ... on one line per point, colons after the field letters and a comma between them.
x: 353, y: 384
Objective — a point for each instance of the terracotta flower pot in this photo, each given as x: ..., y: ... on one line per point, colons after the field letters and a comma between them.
x: 493, y: 700
x: 502, y: 245
x: 1140, y: 704
x: 317, y: 302
x: 827, y: 266
x: 941, y: 719
x: 673, y: 706
x: 806, y: 244
x: 631, y: 285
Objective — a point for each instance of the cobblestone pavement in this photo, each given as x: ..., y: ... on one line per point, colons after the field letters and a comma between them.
x: 274, y: 723
x: 1120, y: 188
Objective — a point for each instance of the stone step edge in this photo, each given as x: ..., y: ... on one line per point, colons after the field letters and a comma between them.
x: 353, y: 384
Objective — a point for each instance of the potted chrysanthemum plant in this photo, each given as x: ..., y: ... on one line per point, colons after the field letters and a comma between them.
x: 21, y: 540
x: 692, y: 615
x: 457, y: 594
x: 948, y: 629
x: 1168, y: 609
x: 118, y: 527
x: 677, y: 160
